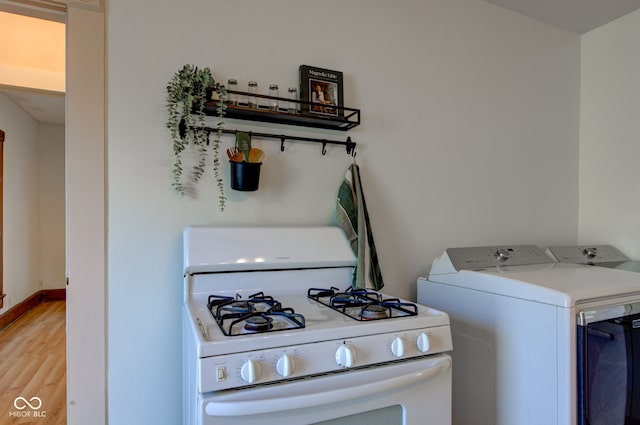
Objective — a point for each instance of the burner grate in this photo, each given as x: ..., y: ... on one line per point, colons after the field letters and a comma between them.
x: 256, y: 314
x: 362, y: 304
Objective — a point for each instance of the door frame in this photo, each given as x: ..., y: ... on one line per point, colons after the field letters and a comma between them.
x: 86, y: 213
x: 2, y: 294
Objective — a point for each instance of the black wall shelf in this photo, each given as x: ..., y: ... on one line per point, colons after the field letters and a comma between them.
x: 346, y: 118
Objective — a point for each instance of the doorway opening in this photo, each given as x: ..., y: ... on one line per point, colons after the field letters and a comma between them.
x: 85, y: 201
x: 32, y: 115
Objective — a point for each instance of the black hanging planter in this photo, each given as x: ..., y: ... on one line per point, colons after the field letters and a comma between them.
x: 245, y: 176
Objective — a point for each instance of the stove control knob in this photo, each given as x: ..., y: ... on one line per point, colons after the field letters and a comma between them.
x: 285, y: 366
x: 397, y: 347
x: 250, y: 371
x: 345, y: 356
x: 423, y: 342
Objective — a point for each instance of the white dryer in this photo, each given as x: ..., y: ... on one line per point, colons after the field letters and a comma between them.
x: 529, y: 335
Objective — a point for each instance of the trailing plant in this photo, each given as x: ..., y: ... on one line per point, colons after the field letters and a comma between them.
x: 186, y: 96
x: 222, y: 107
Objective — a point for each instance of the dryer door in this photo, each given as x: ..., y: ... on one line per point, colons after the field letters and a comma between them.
x: 609, y: 371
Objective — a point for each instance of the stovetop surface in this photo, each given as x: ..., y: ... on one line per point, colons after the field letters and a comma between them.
x: 321, y: 323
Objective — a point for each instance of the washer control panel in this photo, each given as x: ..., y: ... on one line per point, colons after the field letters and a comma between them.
x: 491, y: 256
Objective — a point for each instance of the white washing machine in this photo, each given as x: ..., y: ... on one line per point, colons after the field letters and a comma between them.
x: 595, y: 255
x: 536, y: 342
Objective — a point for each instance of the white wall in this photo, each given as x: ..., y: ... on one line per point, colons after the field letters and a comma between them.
x: 51, y: 154
x: 469, y: 136
x: 609, y: 129
x: 34, y: 215
x: 21, y: 243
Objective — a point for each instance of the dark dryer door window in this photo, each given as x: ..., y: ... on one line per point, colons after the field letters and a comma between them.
x: 609, y: 371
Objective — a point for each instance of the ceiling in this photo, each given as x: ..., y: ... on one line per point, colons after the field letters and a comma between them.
x: 578, y: 16
x: 46, y: 108
x: 32, y: 64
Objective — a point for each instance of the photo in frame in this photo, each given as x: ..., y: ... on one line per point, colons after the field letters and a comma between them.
x: 323, y: 88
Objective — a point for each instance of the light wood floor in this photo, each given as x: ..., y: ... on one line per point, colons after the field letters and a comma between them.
x: 33, y: 364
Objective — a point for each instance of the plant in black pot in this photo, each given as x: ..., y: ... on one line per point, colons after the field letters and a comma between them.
x: 187, y: 92
x: 245, y: 163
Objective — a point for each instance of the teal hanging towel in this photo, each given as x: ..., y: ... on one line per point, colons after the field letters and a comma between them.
x: 352, y: 216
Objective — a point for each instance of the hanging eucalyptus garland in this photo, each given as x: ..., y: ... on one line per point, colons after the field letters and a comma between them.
x: 188, y: 90
x: 222, y: 107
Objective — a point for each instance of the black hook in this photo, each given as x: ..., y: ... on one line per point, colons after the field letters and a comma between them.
x: 324, y: 148
x: 282, y: 139
x: 351, y: 147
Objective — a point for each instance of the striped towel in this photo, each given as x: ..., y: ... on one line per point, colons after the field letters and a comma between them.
x: 352, y: 216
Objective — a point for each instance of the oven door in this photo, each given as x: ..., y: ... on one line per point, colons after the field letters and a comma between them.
x: 608, y: 346
x: 409, y: 393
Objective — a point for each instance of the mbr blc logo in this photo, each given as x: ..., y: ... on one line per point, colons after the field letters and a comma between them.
x: 21, y: 403
x: 34, y: 403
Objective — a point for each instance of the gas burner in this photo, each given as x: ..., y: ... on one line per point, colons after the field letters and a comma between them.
x: 362, y: 304
x: 259, y: 323
x: 374, y: 311
x: 253, y: 323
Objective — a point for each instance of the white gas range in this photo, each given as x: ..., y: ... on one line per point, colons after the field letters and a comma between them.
x: 273, y: 332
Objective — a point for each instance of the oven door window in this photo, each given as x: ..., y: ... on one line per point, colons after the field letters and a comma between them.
x: 608, y: 382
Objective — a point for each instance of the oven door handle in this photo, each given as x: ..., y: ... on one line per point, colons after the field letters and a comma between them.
x: 277, y: 404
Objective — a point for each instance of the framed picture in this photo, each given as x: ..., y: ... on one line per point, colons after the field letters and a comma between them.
x: 323, y: 88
